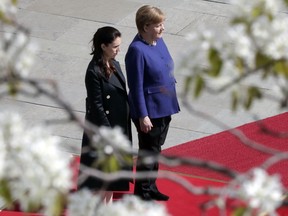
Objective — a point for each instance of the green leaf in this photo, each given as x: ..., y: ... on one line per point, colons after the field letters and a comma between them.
x: 265, y: 74
x: 262, y: 60
x: 187, y: 83
x: 34, y: 206
x: 281, y: 68
x: 59, y: 204
x: 252, y: 94
x: 13, y: 87
x: 5, y: 193
x: 128, y: 159
x: 235, y: 100
x: 111, y: 164
x: 215, y: 63
x: 239, y: 211
x: 199, y: 85
x: 240, y: 64
x: 238, y: 20
x: 256, y: 12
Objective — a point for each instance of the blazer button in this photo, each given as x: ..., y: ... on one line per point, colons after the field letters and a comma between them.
x: 108, y: 96
x: 107, y: 112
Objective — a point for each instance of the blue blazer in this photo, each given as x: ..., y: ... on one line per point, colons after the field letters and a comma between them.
x: 150, y: 79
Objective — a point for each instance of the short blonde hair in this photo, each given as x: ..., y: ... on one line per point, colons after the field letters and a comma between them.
x: 148, y: 14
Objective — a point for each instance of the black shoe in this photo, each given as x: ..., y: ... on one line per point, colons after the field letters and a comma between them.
x: 158, y: 196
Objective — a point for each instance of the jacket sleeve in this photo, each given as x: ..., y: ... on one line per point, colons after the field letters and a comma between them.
x: 95, y: 111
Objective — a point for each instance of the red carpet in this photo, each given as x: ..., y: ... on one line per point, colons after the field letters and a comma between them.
x: 226, y: 149
x: 223, y: 148
x: 183, y: 203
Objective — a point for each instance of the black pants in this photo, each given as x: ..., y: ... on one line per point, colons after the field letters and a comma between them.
x: 150, y: 144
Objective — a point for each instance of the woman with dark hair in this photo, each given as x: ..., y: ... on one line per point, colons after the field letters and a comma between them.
x: 106, y: 104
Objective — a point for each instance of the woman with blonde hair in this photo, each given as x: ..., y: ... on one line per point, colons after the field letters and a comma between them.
x: 152, y: 94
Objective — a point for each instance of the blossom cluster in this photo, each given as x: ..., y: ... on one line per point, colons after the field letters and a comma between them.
x: 244, y: 38
x: 35, y: 172
x: 7, y: 9
x: 260, y: 192
x: 89, y: 204
x: 110, y: 138
x: 16, y: 48
x: 16, y: 54
x: 112, y: 148
x: 254, y: 37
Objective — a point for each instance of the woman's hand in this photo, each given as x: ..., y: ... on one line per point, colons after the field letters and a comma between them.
x: 145, y: 124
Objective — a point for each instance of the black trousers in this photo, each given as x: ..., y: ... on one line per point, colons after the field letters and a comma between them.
x: 150, y: 145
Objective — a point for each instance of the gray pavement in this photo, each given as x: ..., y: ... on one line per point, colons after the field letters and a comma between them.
x: 63, y: 30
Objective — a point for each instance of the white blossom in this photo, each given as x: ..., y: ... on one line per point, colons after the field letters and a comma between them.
x: 25, y: 60
x: 110, y: 144
x: 261, y: 191
x: 83, y: 203
x: 221, y: 81
x: 204, y: 38
x: 264, y: 33
x: 195, y: 57
x: 31, y: 162
x: 271, y: 36
x: 246, y: 8
x: 111, y: 138
x: 132, y: 205
x: 7, y: 8
x: 238, y: 45
x: 20, y: 53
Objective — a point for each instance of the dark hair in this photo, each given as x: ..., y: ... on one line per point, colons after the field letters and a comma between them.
x: 104, y: 35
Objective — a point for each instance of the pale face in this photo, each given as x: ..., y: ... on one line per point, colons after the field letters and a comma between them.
x: 155, y: 31
x: 111, y: 50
